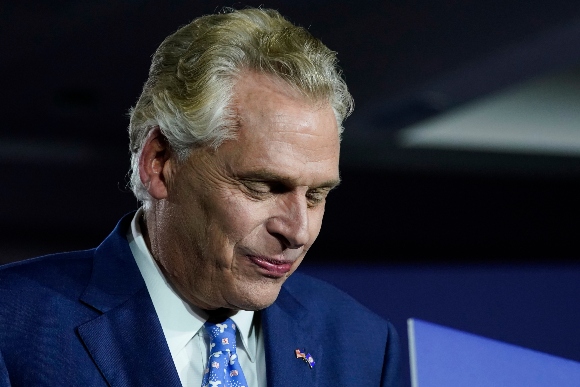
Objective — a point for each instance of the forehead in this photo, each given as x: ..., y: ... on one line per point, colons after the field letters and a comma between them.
x: 281, y: 131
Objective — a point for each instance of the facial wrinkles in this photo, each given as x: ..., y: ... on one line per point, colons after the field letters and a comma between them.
x: 288, y: 145
x: 230, y: 208
x: 183, y: 241
x: 213, y: 184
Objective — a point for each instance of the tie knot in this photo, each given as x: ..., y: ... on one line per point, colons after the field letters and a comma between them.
x: 222, y: 336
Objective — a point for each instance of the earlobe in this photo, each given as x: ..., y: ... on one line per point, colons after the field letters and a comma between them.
x: 154, y: 164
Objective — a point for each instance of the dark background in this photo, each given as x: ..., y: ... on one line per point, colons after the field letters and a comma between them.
x: 71, y: 69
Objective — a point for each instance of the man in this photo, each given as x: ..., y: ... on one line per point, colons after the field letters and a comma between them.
x: 235, y: 147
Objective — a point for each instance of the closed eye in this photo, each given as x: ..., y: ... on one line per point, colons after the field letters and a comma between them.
x: 265, y: 188
x: 263, y: 185
x: 256, y: 187
x: 317, y: 196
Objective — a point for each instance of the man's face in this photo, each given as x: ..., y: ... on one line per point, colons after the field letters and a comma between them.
x: 238, y: 220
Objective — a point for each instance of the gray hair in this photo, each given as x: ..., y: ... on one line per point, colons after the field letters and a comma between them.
x: 192, y: 74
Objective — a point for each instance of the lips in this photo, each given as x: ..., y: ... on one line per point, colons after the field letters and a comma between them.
x: 273, y: 267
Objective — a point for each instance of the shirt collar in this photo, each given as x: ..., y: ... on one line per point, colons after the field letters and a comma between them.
x: 246, y: 328
x: 179, y: 320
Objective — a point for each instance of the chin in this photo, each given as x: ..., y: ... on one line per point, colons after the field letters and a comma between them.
x: 257, y: 297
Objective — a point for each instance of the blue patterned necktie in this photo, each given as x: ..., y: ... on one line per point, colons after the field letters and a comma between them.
x: 223, y: 368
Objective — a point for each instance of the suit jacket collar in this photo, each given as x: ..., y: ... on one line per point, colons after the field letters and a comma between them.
x: 288, y: 326
x: 115, y: 276
x: 126, y: 342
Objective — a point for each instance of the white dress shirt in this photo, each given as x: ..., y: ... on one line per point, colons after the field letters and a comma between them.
x: 182, y: 323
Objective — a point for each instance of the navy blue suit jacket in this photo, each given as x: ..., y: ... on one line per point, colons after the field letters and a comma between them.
x: 86, y: 319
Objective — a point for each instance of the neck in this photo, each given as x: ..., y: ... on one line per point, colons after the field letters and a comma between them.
x: 220, y: 315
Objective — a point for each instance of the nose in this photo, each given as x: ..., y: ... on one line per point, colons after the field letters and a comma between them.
x: 290, y: 221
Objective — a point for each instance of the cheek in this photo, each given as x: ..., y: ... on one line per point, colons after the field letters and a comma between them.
x: 238, y: 218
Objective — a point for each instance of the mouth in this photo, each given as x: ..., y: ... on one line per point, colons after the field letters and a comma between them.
x: 275, y: 268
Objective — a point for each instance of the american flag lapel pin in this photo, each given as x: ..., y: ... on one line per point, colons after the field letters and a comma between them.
x: 306, y: 357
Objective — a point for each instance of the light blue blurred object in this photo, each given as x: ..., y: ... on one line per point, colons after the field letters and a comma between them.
x: 442, y: 356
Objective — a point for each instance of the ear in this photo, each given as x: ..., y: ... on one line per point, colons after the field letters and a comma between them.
x: 155, y: 164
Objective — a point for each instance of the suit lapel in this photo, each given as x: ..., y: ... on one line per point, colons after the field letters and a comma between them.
x: 128, y: 346
x: 287, y: 326
x: 126, y: 341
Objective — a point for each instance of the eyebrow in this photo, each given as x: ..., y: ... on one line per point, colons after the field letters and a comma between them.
x: 266, y: 175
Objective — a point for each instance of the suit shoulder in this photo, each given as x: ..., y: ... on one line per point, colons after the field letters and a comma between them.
x: 348, y: 327
x: 56, y: 271
x: 324, y: 297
